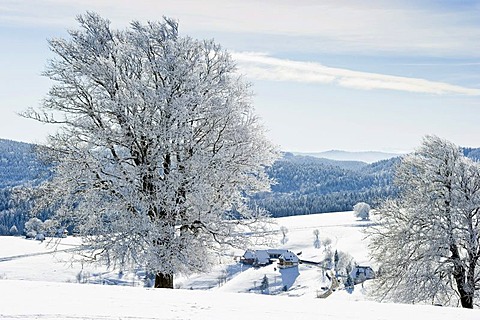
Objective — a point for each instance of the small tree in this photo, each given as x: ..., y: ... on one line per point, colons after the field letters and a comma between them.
x: 362, y: 210
x: 13, y: 230
x: 264, y: 285
x: 343, y: 261
x: 327, y: 243
x: 222, y: 278
x: 349, y: 283
x: 284, y: 232
x: 328, y: 260
x: 336, y: 258
x: 316, y: 241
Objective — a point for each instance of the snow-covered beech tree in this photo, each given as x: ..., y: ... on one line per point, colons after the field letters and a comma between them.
x: 158, y: 147
x: 50, y: 228
x: 34, y: 225
x: 428, y: 240
x: 362, y: 210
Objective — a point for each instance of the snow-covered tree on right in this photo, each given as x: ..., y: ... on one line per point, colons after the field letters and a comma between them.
x: 427, y: 240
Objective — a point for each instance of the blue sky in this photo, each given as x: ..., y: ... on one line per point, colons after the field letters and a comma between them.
x: 351, y: 75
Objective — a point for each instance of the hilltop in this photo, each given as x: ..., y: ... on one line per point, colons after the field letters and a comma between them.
x: 359, y: 156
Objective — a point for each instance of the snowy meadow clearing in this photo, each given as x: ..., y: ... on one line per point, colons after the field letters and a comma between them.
x: 37, y: 283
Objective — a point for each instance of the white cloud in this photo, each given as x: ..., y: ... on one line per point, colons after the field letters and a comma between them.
x: 330, y: 25
x: 264, y: 67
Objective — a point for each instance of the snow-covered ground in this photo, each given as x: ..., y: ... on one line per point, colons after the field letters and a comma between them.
x: 38, y: 284
x: 53, y: 301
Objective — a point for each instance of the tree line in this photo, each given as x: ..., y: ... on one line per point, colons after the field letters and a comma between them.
x: 302, y: 185
x: 306, y: 185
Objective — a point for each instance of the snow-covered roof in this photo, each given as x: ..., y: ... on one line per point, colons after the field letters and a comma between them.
x: 249, y: 254
x: 262, y: 256
x: 276, y: 251
x: 363, y: 267
x: 289, y: 256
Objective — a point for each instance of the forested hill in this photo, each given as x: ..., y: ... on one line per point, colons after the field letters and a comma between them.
x: 310, y: 185
x: 304, y: 185
x: 307, y: 184
x: 19, y: 164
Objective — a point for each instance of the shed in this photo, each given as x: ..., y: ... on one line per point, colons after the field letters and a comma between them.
x: 362, y: 273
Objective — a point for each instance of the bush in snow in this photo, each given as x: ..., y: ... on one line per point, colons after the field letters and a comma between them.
x: 31, y: 235
x: 13, y: 230
x: 61, y: 233
x: 40, y: 237
x: 34, y: 225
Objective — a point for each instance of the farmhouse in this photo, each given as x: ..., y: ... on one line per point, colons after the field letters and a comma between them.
x: 256, y: 257
x: 265, y: 257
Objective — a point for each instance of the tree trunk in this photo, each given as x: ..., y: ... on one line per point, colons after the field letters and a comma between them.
x: 466, y: 295
x: 163, y: 280
x: 463, y: 285
x: 467, y: 301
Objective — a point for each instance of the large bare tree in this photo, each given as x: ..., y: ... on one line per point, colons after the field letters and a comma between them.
x: 428, y: 240
x: 158, y: 146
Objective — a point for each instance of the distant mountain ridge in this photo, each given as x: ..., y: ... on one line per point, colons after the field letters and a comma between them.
x: 304, y: 159
x: 341, y: 155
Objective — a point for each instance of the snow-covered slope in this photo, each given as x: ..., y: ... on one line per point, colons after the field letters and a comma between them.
x: 36, y: 284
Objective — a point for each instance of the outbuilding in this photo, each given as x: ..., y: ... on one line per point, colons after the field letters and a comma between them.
x: 362, y: 273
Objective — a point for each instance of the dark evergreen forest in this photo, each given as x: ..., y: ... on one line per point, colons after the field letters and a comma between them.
x: 19, y: 168
x: 304, y: 184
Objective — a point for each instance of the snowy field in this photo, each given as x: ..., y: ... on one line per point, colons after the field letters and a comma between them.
x: 37, y: 283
